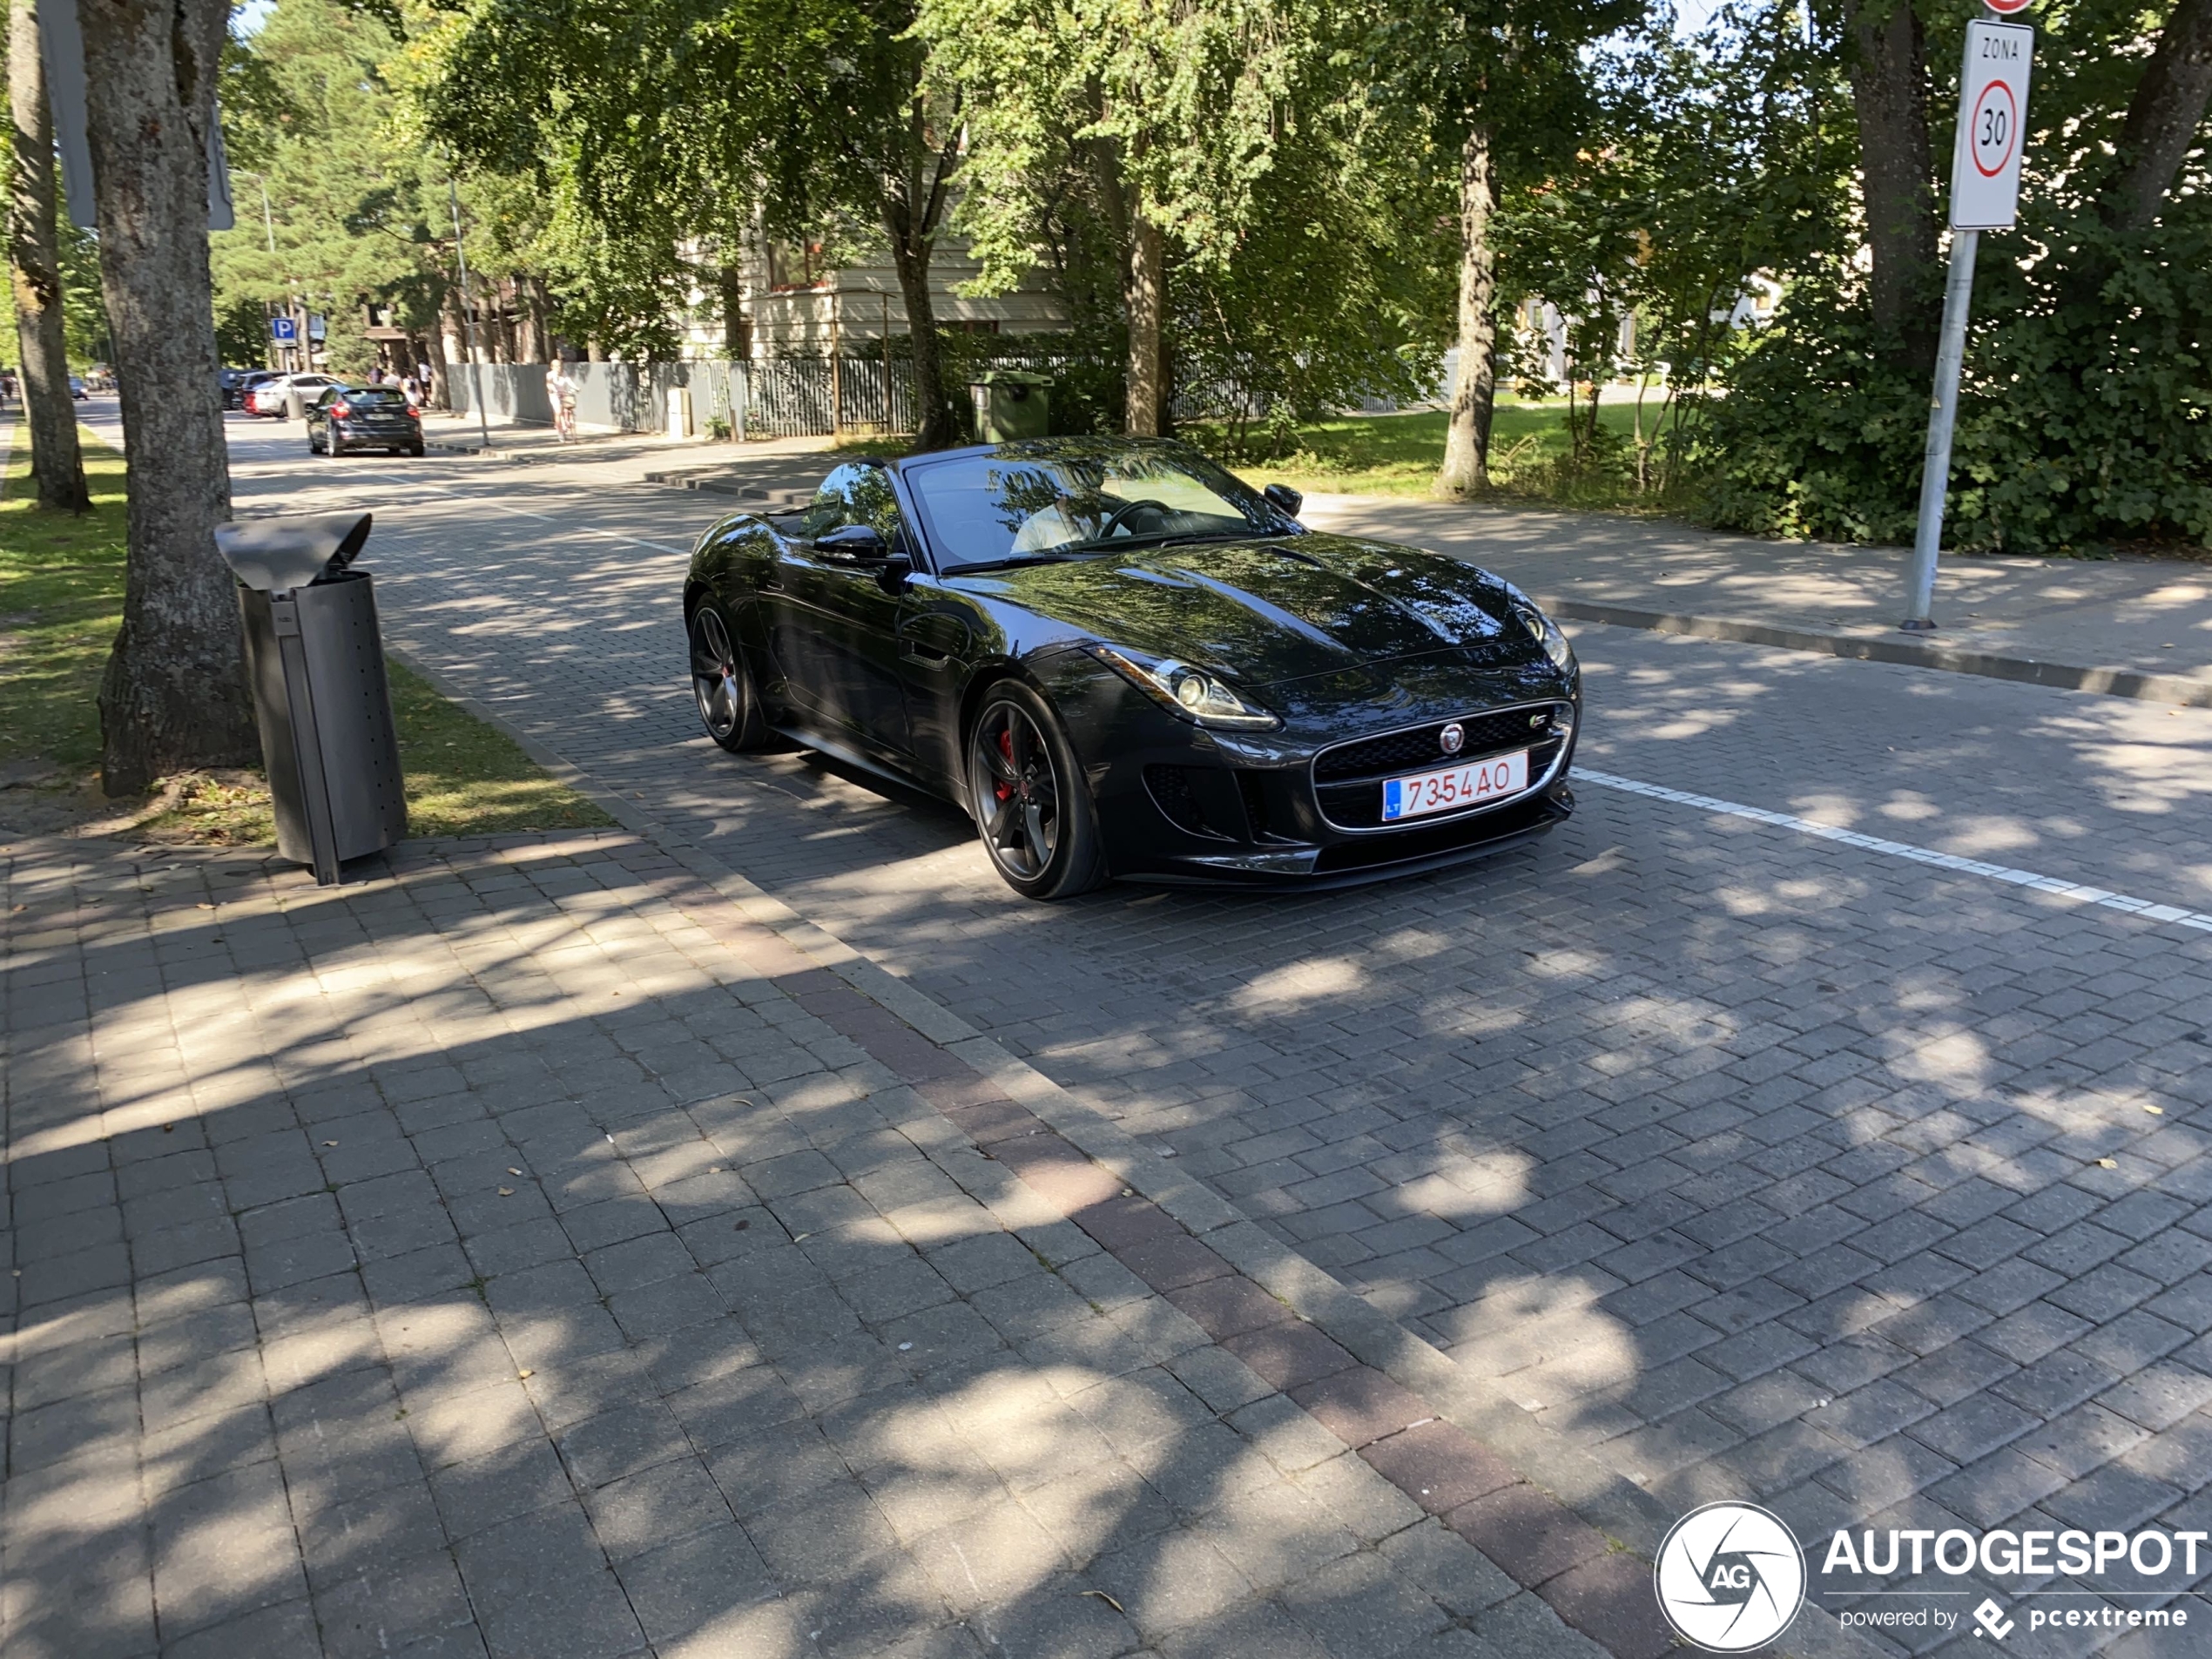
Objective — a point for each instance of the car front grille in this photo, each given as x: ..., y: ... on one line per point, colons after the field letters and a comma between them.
x: 1347, y: 779
x: 1409, y: 751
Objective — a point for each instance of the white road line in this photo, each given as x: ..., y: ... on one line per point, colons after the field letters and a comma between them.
x: 2143, y: 907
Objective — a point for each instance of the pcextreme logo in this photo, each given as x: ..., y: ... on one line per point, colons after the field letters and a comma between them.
x: 1730, y: 1577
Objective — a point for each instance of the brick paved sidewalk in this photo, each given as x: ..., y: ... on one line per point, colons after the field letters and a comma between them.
x: 530, y: 1253
x: 2139, y: 626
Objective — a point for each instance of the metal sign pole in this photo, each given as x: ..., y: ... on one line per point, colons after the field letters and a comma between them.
x: 1943, y: 415
x: 467, y: 320
x: 1984, y: 195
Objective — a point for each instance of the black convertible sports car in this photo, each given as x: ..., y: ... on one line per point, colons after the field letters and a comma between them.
x: 1122, y: 661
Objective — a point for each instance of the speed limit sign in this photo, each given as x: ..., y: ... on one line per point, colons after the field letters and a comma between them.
x: 1992, y: 115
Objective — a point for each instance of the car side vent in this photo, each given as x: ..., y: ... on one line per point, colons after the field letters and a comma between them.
x: 1255, y: 794
x: 1172, y: 793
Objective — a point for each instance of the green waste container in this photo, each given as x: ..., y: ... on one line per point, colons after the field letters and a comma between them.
x: 1011, y: 403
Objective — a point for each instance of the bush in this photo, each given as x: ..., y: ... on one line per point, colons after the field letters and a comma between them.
x: 2085, y: 409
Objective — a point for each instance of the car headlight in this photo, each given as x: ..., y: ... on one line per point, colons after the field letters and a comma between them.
x: 1541, y: 629
x: 1189, y: 693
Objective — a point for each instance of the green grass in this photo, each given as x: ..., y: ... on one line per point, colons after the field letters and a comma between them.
x: 61, y: 599
x: 1399, y: 454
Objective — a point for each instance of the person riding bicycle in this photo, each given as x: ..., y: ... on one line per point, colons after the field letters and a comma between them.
x: 560, y: 392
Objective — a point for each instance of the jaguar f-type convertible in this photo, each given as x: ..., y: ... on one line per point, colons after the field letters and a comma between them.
x: 1122, y: 661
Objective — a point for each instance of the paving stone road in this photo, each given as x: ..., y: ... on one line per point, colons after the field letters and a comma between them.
x: 529, y: 1255
x: 1762, y: 1165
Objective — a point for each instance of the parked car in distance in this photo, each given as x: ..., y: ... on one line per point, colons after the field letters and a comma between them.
x: 237, y: 382
x: 347, y: 418
x: 267, y: 398
x: 77, y: 387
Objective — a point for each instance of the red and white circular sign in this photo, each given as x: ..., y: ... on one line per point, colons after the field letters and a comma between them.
x: 1995, y: 133
x: 2006, y: 8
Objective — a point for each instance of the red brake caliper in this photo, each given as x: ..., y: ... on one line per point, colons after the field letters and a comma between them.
x: 1006, y: 748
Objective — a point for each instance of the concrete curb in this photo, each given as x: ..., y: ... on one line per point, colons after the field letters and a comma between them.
x: 717, y: 486
x: 1601, y: 1495
x: 2108, y: 682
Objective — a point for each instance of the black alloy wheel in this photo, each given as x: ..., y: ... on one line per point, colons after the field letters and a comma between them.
x: 722, y: 686
x: 1029, y: 799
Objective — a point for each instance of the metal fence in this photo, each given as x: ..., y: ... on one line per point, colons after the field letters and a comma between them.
x: 775, y: 397
x: 796, y: 397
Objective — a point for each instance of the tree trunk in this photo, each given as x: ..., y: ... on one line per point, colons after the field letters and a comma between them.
x: 937, y: 430
x: 737, y: 331
x: 541, y: 304
x: 530, y: 338
x: 33, y: 256
x: 174, y: 694
x: 1475, y: 382
x: 1144, y: 298
x: 1889, y: 82
x: 2163, y: 116
x: 437, y: 338
x: 1164, y: 422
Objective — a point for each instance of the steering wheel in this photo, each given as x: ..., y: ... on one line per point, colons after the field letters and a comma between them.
x: 1113, y: 519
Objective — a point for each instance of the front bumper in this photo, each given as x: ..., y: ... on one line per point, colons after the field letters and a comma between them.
x: 1184, y: 803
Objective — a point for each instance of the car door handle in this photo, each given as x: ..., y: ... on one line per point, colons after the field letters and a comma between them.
x: 771, y: 579
x: 933, y: 639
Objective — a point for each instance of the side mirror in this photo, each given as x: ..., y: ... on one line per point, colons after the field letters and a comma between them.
x: 891, y: 575
x: 1283, y: 498
x: 862, y: 543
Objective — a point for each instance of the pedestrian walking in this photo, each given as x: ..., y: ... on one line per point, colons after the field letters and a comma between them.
x: 560, y: 392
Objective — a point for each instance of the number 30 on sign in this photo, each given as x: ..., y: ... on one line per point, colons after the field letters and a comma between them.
x: 1993, y: 117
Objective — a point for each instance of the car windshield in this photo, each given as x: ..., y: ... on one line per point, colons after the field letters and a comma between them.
x: 1075, y: 498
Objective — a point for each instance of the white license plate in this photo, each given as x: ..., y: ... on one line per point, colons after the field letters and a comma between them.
x: 1449, y: 789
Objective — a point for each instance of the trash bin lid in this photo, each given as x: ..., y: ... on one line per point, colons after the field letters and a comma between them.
x: 273, y: 554
x: 1012, y: 377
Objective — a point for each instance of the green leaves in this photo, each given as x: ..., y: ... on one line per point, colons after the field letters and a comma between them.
x: 2085, y: 418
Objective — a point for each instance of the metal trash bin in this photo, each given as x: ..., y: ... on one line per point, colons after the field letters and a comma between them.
x: 1011, y: 403
x: 315, y: 658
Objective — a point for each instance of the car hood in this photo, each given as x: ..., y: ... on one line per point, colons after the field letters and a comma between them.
x: 1264, y: 611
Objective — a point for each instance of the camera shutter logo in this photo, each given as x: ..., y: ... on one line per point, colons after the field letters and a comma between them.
x: 1730, y: 1577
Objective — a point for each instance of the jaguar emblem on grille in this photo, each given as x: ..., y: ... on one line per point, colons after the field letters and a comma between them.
x: 1451, y: 738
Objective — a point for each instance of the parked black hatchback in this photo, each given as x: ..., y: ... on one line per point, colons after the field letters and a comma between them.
x: 363, y: 417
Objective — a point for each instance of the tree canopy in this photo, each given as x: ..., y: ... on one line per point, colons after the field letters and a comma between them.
x: 1263, y: 209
